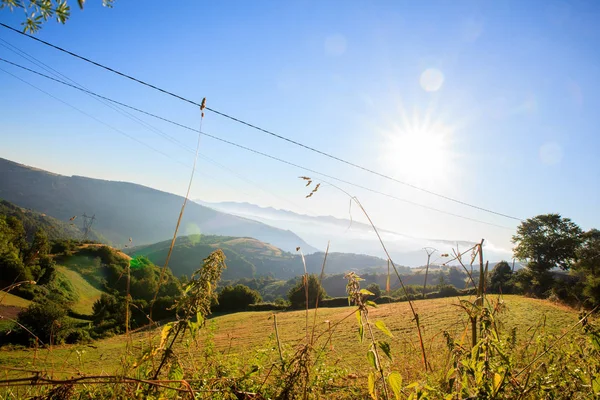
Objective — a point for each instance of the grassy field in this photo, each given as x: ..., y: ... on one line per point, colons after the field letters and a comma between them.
x: 248, y: 337
x: 8, y: 299
x: 86, y: 293
x: 10, y: 305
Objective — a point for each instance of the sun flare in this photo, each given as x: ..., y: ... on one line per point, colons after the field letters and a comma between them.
x: 420, y: 151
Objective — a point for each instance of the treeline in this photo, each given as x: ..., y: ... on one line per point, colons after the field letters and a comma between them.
x: 28, y: 269
x: 562, y: 261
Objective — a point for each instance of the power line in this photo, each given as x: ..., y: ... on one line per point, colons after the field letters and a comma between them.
x: 225, y: 115
x: 111, y: 104
x: 255, y: 151
x: 94, y: 118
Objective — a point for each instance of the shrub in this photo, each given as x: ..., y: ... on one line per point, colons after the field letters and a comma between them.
x: 45, y: 320
x: 334, y: 302
x: 297, y: 294
x: 267, y: 307
x: 78, y: 335
x: 386, y: 300
x: 238, y: 297
x: 375, y: 289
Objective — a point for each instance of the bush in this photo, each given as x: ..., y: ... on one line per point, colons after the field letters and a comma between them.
x: 236, y: 298
x: 297, y: 294
x: 267, y: 307
x: 109, y: 313
x: 386, y: 300
x: 334, y: 302
x: 78, y: 335
x: 44, y: 320
x: 375, y: 289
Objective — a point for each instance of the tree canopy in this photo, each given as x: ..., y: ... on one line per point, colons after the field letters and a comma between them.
x: 39, y: 11
x: 547, y: 241
x: 297, y: 294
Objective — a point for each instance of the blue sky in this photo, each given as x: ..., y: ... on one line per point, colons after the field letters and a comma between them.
x: 494, y: 103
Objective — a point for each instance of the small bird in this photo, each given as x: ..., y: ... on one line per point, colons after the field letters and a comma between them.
x: 73, y: 218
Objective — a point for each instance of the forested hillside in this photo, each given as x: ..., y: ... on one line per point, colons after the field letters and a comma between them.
x: 125, y: 210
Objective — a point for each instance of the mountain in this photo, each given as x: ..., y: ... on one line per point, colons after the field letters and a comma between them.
x: 123, y: 210
x: 248, y: 258
x: 33, y: 221
x: 348, y: 236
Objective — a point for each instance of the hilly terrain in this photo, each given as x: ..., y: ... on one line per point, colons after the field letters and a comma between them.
x: 33, y: 220
x: 248, y: 257
x: 125, y: 210
x: 350, y: 235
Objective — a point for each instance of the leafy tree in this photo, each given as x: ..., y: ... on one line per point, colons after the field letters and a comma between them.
x: 547, y: 241
x: 39, y: 11
x: 297, y: 294
x: 108, y: 312
x: 587, y: 266
x: 40, y: 247
x: 500, y: 278
x: 237, y: 297
x: 45, y: 320
x: 375, y: 289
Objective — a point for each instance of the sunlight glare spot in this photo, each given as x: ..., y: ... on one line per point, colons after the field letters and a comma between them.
x: 432, y: 79
x: 420, y: 151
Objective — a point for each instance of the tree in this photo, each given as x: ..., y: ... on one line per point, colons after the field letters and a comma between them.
x: 45, y: 320
x: 375, y: 289
x: 40, y: 11
x: 587, y: 267
x: 297, y: 294
x: 108, y: 312
x: 547, y: 241
x: 238, y: 297
x: 500, y: 277
x: 40, y: 247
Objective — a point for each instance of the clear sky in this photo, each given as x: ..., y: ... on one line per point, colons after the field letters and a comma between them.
x: 491, y: 102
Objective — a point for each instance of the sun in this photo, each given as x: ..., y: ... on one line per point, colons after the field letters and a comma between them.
x: 419, y: 151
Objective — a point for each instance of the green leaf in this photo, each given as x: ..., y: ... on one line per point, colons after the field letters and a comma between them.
x: 381, y: 326
x: 596, y: 385
x: 372, y: 359
x: 385, y: 347
x: 372, y: 385
x: 365, y: 291
x: 395, y: 381
x: 361, y: 329
x: 371, y: 303
x: 176, y: 372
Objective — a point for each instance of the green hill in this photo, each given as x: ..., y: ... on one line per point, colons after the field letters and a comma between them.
x: 125, y: 210
x: 248, y: 257
x: 86, y: 294
x: 33, y: 220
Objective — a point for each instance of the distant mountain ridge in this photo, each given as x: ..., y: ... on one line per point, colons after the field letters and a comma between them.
x: 348, y: 236
x: 125, y: 210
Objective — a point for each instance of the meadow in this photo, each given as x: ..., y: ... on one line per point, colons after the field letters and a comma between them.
x: 244, y: 345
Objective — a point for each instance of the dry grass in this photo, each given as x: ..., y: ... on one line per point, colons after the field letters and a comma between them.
x: 241, y: 336
x: 9, y: 299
